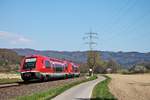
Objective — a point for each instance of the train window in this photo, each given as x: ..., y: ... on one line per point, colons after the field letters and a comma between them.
x: 29, y: 63
x: 58, y: 67
x: 47, y: 64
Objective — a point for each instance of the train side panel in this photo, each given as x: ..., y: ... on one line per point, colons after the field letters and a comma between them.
x: 44, y: 68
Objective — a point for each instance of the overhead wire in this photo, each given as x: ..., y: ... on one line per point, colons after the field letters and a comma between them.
x: 118, y: 21
x: 118, y: 16
x: 132, y: 26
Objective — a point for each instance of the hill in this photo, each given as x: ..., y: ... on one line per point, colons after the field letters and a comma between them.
x: 126, y: 59
x: 9, y: 60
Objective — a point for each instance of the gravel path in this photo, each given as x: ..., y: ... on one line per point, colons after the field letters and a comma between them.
x: 130, y: 87
x: 80, y: 92
x: 13, y: 92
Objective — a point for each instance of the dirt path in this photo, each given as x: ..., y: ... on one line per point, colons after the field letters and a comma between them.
x: 130, y: 87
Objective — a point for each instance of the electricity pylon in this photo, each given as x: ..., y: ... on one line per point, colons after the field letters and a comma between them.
x: 91, y: 60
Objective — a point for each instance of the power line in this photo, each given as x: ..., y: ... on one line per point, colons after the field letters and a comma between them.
x: 132, y: 26
x: 122, y: 13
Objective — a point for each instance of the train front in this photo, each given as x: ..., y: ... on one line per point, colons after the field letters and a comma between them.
x: 28, y: 69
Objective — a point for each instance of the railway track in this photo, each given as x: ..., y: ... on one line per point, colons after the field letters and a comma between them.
x: 9, y: 85
x: 5, y: 85
x: 15, y: 84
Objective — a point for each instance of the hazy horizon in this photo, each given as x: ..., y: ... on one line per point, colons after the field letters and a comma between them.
x: 73, y: 50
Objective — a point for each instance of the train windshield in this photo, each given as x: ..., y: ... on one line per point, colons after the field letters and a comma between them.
x: 29, y: 63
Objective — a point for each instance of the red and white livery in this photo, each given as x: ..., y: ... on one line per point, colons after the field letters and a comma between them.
x: 37, y: 67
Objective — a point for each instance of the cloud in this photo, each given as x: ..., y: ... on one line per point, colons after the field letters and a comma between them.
x: 3, y: 34
x: 14, y: 38
x: 22, y: 39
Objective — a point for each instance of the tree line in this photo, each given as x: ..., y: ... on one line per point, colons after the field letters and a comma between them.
x: 111, y: 66
x: 100, y: 66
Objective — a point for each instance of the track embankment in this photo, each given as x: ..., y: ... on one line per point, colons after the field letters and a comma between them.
x: 130, y: 87
x: 28, y: 89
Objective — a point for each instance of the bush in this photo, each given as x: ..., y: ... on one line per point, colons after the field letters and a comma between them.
x: 124, y: 71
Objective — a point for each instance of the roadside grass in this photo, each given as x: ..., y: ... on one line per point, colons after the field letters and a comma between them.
x: 52, y: 92
x: 10, y: 77
x: 101, y: 91
x: 8, y: 80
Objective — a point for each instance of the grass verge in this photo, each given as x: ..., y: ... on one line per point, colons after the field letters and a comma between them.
x: 52, y: 92
x: 101, y: 91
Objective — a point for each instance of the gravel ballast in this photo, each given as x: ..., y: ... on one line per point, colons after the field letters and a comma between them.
x: 28, y: 89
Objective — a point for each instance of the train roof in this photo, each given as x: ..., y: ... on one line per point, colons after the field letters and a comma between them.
x: 52, y: 59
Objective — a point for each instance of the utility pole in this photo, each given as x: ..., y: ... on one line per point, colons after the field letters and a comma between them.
x: 91, y: 42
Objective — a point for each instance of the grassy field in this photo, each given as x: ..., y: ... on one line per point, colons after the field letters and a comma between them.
x: 101, y: 91
x: 47, y: 95
x: 9, y: 78
x: 7, y: 81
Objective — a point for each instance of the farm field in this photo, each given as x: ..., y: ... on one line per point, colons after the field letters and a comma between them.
x: 130, y: 87
x: 9, y: 76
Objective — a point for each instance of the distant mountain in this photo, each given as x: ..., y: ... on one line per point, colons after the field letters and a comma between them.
x: 76, y: 56
x: 124, y: 58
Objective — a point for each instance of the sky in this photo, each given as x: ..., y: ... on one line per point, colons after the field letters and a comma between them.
x: 122, y: 25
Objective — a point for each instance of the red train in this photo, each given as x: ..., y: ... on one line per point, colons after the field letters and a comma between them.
x: 37, y: 67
